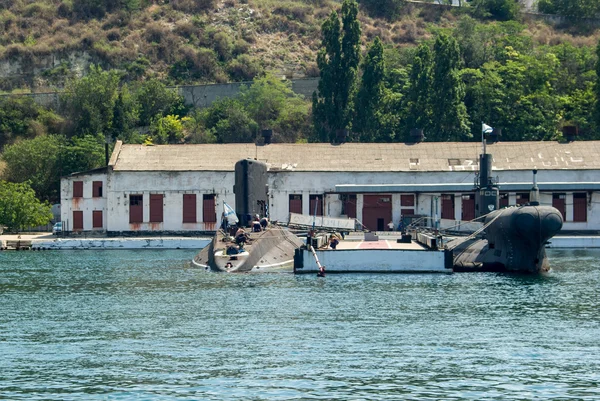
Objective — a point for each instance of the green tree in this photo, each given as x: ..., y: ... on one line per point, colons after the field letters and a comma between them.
x: 597, y: 87
x: 82, y: 154
x: 21, y: 117
x: 570, y: 8
x: 89, y: 102
x: 338, y: 62
x: 228, y: 122
x: 155, y: 99
x: 125, y: 117
x: 367, y: 119
x: 418, y: 100
x: 450, y: 122
x: 36, y: 160
x: 167, y: 130
x: 271, y: 103
x: 389, y: 9
x: 503, y: 10
x: 19, y: 207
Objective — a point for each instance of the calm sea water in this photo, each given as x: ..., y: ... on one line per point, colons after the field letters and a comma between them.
x: 144, y: 325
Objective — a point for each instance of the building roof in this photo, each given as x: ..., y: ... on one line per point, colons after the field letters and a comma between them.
x: 360, y: 157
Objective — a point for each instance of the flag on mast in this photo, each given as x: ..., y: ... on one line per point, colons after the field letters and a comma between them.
x: 229, y: 214
x: 486, y: 129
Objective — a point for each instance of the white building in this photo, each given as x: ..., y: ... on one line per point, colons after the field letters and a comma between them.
x: 181, y: 188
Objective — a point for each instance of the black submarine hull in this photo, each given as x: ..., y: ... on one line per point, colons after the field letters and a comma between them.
x: 513, y: 241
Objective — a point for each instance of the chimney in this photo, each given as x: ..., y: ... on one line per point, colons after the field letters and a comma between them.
x: 570, y: 132
x: 341, y: 135
x: 416, y: 135
x: 267, y: 135
x: 495, y: 135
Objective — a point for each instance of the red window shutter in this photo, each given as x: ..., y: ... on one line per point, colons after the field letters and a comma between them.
x: 407, y: 200
x: 156, y: 208
x: 209, y: 212
x: 77, y: 189
x: 136, y: 208
x: 295, y: 204
x: 189, y: 208
x: 97, y: 189
x: 77, y: 220
x: 580, y: 207
x: 97, y: 219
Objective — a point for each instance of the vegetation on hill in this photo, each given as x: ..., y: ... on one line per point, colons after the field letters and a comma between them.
x: 441, y: 70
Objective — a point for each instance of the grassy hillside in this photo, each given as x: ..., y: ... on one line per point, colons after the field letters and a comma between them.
x: 44, y: 42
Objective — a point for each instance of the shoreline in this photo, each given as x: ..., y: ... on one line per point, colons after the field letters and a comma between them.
x: 48, y: 241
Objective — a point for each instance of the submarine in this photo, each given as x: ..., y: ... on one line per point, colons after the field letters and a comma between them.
x: 243, y: 244
x: 512, y: 239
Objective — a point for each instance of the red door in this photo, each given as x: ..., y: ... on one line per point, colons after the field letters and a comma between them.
x: 350, y: 206
x: 209, y: 210
x: 559, y: 202
x: 97, y: 219
x: 77, y: 220
x: 580, y: 207
x: 156, y: 208
x: 468, y: 207
x: 448, y: 206
x: 503, y: 200
x: 189, y: 208
x: 377, y: 211
x: 316, y: 205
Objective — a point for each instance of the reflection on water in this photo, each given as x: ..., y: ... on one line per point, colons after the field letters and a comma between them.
x: 145, y: 325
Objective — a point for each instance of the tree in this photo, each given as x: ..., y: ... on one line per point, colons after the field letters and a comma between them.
x: 35, y: 160
x: 597, y: 87
x: 271, y: 103
x: 89, y: 102
x: 155, y: 99
x: 503, y: 10
x: 167, y: 130
x: 450, y: 122
x: 19, y: 208
x: 82, y: 154
x: 338, y: 62
x: 368, y: 100
x: 570, y: 8
x: 125, y: 116
x: 389, y: 9
x: 418, y: 100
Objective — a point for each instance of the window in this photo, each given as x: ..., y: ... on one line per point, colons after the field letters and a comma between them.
x: 77, y: 220
x: 136, y: 208
x: 209, y: 212
x: 189, y: 208
x: 580, y: 207
x: 77, y: 189
x: 468, y: 207
x: 97, y: 219
x: 316, y: 205
x: 295, y: 204
x: 97, y: 189
x: 407, y: 200
x: 156, y: 208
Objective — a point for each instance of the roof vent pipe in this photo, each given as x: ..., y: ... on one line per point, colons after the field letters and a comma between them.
x: 417, y: 135
x: 570, y: 132
x: 267, y: 135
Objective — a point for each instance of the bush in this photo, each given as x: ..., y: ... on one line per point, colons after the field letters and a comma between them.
x: 193, y: 6
x: 244, y: 68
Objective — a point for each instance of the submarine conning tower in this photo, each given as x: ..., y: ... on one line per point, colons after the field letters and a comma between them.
x: 487, y: 194
x: 251, y: 190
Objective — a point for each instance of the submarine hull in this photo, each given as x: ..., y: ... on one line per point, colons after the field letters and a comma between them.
x: 513, y: 241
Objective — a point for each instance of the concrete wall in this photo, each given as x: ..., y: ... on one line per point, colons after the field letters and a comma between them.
x: 193, y: 95
x: 119, y: 186
x: 87, y: 203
